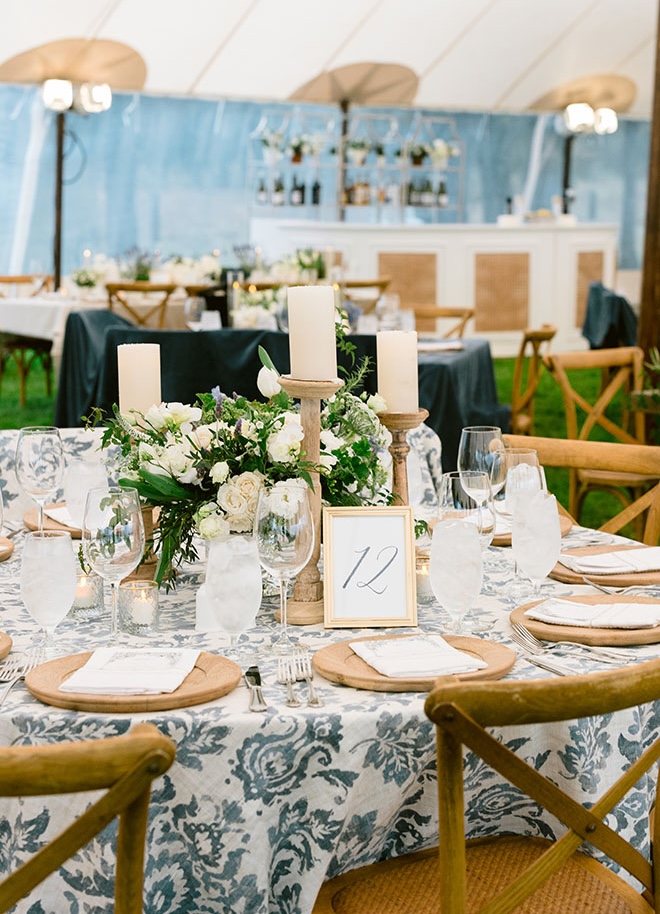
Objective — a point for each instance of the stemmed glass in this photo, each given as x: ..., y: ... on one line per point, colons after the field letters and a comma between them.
x: 193, y: 309
x: 233, y: 585
x: 456, y: 567
x: 285, y: 537
x: 477, y: 450
x: 467, y: 496
x: 536, y: 536
x: 40, y: 464
x: 48, y: 579
x: 113, y: 537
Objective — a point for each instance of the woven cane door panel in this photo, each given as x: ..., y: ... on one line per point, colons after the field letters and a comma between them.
x: 590, y: 265
x: 413, y: 277
x: 501, y: 292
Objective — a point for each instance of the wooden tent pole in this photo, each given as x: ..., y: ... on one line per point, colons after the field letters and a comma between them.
x: 649, y: 325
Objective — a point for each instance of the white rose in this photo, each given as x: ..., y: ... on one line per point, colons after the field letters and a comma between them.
x: 203, y: 435
x: 238, y: 499
x: 212, y: 526
x: 267, y: 382
x: 377, y: 403
x: 154, y: 417
x: 219, y: 472
x: 180, y: 464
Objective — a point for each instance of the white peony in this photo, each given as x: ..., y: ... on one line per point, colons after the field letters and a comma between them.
x: 238, y: 499
x: 267, y: 382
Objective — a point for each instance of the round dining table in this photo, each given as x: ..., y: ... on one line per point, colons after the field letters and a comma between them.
x: 260, y: 808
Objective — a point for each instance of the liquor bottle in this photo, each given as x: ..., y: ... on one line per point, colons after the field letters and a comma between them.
x: 297, y: 194
x: 427, y: 197
x: 443, y: 197
x: 277, y: 196
x: 316, y: 193
x: 262, y: 193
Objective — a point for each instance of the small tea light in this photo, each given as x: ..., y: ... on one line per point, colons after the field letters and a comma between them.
x: 138, y: 607
x: 423, y: 579
x: 88, y: 601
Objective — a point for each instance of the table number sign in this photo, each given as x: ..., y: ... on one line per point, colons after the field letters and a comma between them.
x: 369, y: 567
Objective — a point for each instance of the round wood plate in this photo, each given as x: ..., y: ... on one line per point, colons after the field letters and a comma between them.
x: 603, y: 636
x: 642, y: 578
x: 338, y: 663
x: 504, y: 539
x: 6, y: 548
x: 5, y: 645
x: 212, y: 677
x: 31, y: 521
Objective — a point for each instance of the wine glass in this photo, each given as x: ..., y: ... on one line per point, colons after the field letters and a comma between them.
x: 48, y: 579
x: 193, y: 309
x: 285, y: 539
x: 40, y: 464
x: 467, y: 496
x: 113, y: 537
x: 478, y: 447
x: 233, y: 585
x: 456, y: 567
x: 535, y: 536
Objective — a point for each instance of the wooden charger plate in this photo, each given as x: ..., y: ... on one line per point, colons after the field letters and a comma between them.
x: 642, y: 578
x: 338, y: 663
x: 582, y: 634
x: 5, y: 645
x: 212, y: 677
x: 6, y: 548
x: 504, y: 539
x: 31, y: 521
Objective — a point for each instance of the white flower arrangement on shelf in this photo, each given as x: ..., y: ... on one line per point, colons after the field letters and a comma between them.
x: 298, y: 146
x: 272, y: 143
x: 440, y: 151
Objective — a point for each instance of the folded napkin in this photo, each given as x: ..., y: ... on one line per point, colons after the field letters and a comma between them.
x: 62, y: 516
x: 627, y: 561
x: 596, y: 615
x: 439, y: 346
x: 132, y: 671
x: 417, y: 656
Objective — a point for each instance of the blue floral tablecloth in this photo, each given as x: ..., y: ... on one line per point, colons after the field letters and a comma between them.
x: 259, y: 809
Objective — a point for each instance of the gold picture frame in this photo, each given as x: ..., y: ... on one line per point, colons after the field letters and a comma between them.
x: 369, y: 567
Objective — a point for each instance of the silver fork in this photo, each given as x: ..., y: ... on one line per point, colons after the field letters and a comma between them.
x: 649, y: 590
x: 18, y: 668
x: 286, y: 674
x: 305, y: 672
x: 530, y: 642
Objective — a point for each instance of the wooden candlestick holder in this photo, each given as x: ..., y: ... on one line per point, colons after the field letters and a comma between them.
x: 306, y: 607
x: 146, y: 570
x: 399, y: 425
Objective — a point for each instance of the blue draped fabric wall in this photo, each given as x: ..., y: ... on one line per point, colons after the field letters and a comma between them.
x: 172, y: 175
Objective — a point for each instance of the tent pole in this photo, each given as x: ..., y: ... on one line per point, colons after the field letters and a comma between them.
x: 344, y: 105
x: 59, y: 163
x: 649, y: 325
x: 566, y: 190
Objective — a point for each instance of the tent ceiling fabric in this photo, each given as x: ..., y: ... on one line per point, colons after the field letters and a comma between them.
x: 494, y: 55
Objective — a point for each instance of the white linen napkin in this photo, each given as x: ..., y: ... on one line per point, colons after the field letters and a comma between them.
x: 132, y: 671
x: 417, y: 656
x: 439, y: 346
x: 627, y: 561
x: 596, y: 615
x: 62, y: 516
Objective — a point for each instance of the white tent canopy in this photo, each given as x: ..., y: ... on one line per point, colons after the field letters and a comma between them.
x: 497, y: 55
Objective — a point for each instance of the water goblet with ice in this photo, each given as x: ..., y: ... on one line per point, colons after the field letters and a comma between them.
x: 536, y: 536
x: 48, y: 579
x: 233, y: 585
x: 456, y: 568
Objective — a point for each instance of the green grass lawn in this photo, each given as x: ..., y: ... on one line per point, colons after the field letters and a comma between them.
x: 549, y: 421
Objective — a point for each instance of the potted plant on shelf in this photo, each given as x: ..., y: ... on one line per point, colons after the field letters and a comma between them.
x: 379, y: 150
x: 441, y: 151
x: 297, y: 147
x: 418, y: 153
x: 357, y: 151
x: 271, y: 143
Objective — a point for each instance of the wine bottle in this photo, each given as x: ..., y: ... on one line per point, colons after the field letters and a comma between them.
x: 277, y: 196
x: 296, y: 197
x: 443, y: 197
x: 262, y: 193
x: 316, y: 193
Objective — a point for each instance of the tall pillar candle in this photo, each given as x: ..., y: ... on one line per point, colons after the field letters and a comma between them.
x: 312, y: 343
x: 138, y: 366
x: 396, y: 352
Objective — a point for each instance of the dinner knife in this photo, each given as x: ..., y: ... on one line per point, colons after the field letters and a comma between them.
x: 547, y: 665
x: 253, y: 680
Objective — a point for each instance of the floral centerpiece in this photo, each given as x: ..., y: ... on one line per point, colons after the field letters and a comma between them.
x: 257, y: 310
x: 94, y: 272
x: 203, y: 465
x: 137, y: 265
x: 309, y: 259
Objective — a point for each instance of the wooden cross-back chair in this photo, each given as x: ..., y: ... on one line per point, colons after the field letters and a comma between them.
x: 621, y: 369
x: 122, y: 766
x: 526, y: 376
x: 154, y: 310
x: 368, y: 291
x: 501, y: 874
x: 613, y: 459
x: 426, y: 317
x: 25, y: 351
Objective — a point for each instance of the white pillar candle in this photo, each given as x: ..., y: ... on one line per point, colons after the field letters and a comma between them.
x: 138, y: 366
x: 396, y: 352
x: 312, y: 344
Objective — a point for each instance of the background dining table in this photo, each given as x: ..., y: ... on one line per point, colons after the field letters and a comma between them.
x: 456, y: 385
x: 260, y: 807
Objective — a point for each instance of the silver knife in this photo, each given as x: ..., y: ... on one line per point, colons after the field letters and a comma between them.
x: 548, y: 666
x: 253, y: 680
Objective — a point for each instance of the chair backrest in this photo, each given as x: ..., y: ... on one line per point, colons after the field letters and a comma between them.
x: 26, y: 284
x: 155, y: 300
x: 526, y: 377
x: 621, y: 371
x: 427, y: 316
x: 123, y: 767
x: 365, y: 292
x: 462, y: 712
x: 610, y: 456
